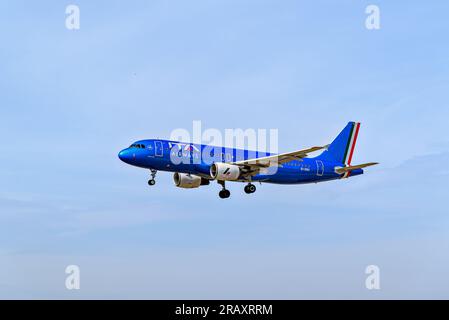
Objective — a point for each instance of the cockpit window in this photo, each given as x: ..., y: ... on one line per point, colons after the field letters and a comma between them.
x: 138, y: 146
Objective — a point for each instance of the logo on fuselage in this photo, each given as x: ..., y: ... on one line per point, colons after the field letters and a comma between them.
x: 235, y: 142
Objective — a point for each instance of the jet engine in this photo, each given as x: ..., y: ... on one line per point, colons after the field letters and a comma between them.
x: 225, y: 172
x: 188, y: 181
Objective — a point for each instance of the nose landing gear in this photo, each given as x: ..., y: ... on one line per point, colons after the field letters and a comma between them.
x: 152, y: 181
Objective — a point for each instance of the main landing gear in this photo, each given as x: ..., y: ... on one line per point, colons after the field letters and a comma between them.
x: 250, y: 188
x: 224, y: 193
x: 152, y: 182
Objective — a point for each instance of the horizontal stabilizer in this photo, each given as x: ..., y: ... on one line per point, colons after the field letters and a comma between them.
x: 341, y: 170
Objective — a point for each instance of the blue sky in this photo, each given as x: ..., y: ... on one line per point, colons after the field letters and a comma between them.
x: 70, y: 100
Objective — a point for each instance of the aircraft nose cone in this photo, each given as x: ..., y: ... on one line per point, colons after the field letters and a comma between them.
x: 124, y: 156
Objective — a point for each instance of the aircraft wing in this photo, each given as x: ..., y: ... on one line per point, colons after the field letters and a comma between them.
x: 350, y: 168
x: 276, y: 160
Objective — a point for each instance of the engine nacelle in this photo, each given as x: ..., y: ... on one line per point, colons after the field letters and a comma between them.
x: 224, y: 171
x: 188, y: 181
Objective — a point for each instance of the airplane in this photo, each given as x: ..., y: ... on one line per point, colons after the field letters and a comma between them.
x: 231, y: 164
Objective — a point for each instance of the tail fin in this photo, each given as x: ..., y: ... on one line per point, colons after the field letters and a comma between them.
x: 342, y: 148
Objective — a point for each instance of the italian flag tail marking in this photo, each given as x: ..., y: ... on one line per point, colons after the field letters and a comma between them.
x: 351, y: 146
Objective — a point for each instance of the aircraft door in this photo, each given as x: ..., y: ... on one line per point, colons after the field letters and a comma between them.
x: 319, y: 168
x: 158, y: 148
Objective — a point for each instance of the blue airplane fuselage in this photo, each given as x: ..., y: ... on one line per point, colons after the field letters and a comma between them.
x: 159, y: 154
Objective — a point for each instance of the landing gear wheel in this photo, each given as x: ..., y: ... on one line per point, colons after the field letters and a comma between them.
x: 152, y: 182
x: 250, y: 188
x: 224, y: 194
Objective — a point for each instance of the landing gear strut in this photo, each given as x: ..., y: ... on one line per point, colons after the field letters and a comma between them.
x: 152, y: 182
x: 250, y: 188
x: 224, y: 193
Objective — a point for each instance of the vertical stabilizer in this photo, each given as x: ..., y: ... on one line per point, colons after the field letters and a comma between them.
x: 342, y: 148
